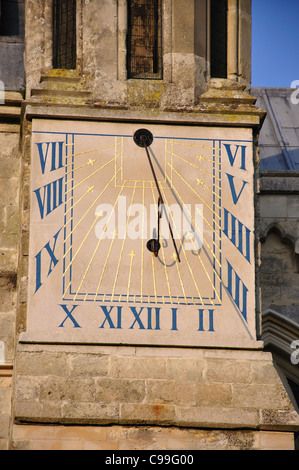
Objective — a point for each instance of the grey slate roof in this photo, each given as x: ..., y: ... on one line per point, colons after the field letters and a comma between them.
x: 279, y: 136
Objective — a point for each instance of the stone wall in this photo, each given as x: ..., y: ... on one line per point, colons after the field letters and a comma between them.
x: 101, y: 51
x: 280, y: 271
x: 279, y: 232
x: 37, y: 437
x: 9, y: 244
x: 150, y: 386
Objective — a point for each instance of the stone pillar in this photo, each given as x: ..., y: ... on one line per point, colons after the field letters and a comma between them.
x: 232, y: 39
x: 238, y: 41
x: 9, y: 250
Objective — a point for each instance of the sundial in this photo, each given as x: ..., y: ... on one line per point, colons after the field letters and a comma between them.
x: 141, y: 233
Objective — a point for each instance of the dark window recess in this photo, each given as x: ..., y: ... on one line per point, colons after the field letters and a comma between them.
x: 64, y: 34
x: 219, y: 38
x: 144, y: 39
x: 9, y: 18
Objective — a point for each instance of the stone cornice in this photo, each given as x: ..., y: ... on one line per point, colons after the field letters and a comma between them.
x: 279, y: 332
x: 6, y: 370
x: 226, y: 103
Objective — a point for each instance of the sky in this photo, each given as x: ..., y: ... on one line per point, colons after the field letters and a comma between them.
x: 275, y: 42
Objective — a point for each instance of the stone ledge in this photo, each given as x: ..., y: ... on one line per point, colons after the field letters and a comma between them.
x: 222, y: 392
x: 274, y: 182
x: 38, y: 437
x: 208, y: 115
x: 6, y: 370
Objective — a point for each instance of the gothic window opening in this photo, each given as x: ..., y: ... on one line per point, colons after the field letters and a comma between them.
x: 9, y: 18
x: 218, y: 39
x: 144, y: 39
x: 64, y: 34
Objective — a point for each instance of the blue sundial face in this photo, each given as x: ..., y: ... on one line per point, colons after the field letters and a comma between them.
x: 141, y: 244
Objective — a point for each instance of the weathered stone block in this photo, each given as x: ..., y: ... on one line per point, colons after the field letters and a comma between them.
x: 267, y: 396
x: 89, y: 365
x: 35, y: 411
x: 120, y: 390
x: 185, y: 369
x: 4, y: 424
x: 228, y: 371
x: 171, y: 392
x: 147, y: 414
x: 137, y: 367
x: 90, y: 413
x: 60, y: 389
x: 28, y: 388
x: 214, y: 394
x: 217, y: 417
x: 43, y: 363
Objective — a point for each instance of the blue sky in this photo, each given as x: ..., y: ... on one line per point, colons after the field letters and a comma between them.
x: 275, y: 42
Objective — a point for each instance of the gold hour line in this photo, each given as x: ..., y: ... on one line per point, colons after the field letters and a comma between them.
x: 198, y: 195
x: 112, y: 241
x: 171, y: 163
x: 186, y: 257
x: 164, y: 259
x: 154, y: 276
x: 123, y: 244
x: 207, y: 222
x: 153, y: 260
x: 174, y: 255
x: 89, y: 151
x: 180, y: 277
x: 203, y: 265
x: 199, y: 181
x: 78, y: 250
x: 200, y: 231
x: 207, y: 274
x: 83, y: 241
x: 96, y: 249
x: 195, y: 166
x: 132, y: 256
x: 91, y: 174
x: 77, y: 202
x: 86, y: 271
x: 176, y: 142
x: 198, y: 255
x: 165, y: 164
x: 199, y: 157
x: 105, y: 265
x: 119, y: 155
x: 142, y: 244
x: 90, y: 162
x: 97, y: 198
x: 166, y: 275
